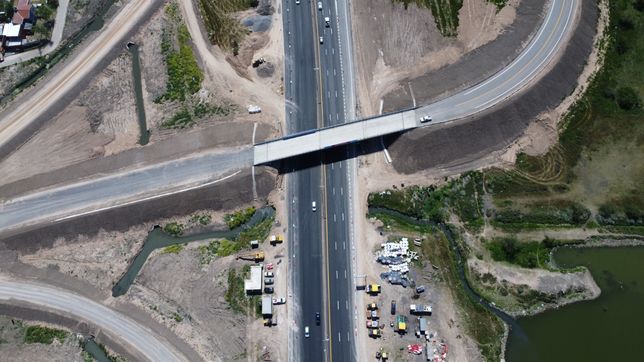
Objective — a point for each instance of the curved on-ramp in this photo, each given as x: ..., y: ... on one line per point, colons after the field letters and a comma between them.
x: 541, y: 50
x: 539, y: 53
x: 150, y: 345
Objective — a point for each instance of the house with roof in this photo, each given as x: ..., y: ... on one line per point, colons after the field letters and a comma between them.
x: 21, y: 25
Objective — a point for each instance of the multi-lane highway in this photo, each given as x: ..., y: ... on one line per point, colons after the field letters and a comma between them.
x: 305, y: 238
x: 318, y: 91
x: 140, y: 339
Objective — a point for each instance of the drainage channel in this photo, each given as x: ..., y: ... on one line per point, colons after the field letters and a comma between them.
x: 144, y: 137
x: 157, y: 238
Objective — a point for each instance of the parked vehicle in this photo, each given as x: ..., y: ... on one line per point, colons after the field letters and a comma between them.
x: 420, y: 289
x: 393, y: 307
x: 420, y: 309
x: 268, y: 281
x: 375, y: 333
x: 373, y: 288
x: 269, y: 274
x: 268, y: 290
x: 277, y: 301
x: 372, y: 306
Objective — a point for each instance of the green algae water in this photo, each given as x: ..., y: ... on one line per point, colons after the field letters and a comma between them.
x: 609, y: 328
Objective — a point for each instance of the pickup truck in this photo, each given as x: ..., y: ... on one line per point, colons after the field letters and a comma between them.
x: 277, y: 301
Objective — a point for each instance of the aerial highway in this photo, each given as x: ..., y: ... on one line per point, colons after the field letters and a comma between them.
x: 305, y: 227
x: 315, y: 99
x: 537, y: 55
x: 123, y: 329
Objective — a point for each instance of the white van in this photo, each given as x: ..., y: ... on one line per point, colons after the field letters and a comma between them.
x: 314, y: 206
x: 306, y: 332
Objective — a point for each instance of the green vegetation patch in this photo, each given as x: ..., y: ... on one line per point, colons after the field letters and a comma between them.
x: 542, y: 213
x: 463, y: 196
x: 181, y: 119
x: 184, y: 74
x: 44, y: 335
x: 235, y: 295
x: 526, y: 254
x: 239, y: 217
x: 174, y: 229
x: 173, y: 249
x: 445, y: 13
x: 223, y: 29
x: 204, y: 219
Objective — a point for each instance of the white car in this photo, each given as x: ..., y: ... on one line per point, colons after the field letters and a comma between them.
x: 269, y: 274
x: 279, y: 301
x: 314, y: 206
x: 306, y: 332
x: 321, y: 40
x: 319, y: 5
x: 425, y: 119
x: 297, y: 2
x: 327, y: 21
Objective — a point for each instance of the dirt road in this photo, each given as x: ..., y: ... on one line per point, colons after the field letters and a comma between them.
x: 20, y: 118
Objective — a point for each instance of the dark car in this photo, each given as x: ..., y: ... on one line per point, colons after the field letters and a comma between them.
x: 317, y: 318
x: 268, y: 290
x: 393, y: 307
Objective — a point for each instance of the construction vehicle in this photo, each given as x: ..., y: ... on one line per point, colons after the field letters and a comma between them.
x: 401, y: 324
x: 255, y: 256
x: 276, y: 239
x: 420, y: 309
x: 372, y: 306
x: 375, y: 333
x: 373, y: 288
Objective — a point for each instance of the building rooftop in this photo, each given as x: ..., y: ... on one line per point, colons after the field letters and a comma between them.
x: 11, y: 30
x: 254, y: 284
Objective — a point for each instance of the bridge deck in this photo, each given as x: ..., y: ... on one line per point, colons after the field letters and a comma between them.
x: 316, y: 140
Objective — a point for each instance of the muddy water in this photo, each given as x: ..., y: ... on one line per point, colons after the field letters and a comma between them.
x: 609, y: 328
x: 144, y: 132
x: 91, y: 347
x: 158, y: 239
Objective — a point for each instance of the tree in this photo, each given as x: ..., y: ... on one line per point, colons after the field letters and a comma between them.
x: 627, y: 98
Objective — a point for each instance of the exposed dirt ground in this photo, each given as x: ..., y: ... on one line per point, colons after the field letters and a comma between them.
x: 393, y: 44
x: 445, y: 321
x: 178, y: 284
x: 102, y: 120
x: 580, y: 284
x: 14, y: 349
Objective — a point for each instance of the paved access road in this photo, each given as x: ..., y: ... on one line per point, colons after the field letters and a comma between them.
x: 116, y: 190
x: 130, y: 333
x: 541, y: 50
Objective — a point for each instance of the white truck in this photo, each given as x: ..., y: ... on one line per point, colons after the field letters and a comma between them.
x: 420, y: 309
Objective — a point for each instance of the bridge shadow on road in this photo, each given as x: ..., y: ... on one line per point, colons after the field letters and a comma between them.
x: 333, y: 154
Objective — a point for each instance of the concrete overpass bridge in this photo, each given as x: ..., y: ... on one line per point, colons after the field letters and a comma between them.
x: 318, y: 139
x: 541, y: 50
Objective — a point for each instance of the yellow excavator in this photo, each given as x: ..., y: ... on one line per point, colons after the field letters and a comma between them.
x: 255, y: 256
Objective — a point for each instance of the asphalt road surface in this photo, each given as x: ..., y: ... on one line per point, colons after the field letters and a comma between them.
x: 119, y: 189
x: 130, y: 333
x: 541, y: 50
x: 305, y: 229
x: 338, y: 240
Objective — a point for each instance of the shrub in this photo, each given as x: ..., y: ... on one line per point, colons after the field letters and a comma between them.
x: 44, y: 335
x: 174, y: 229
x: 627, y: 98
